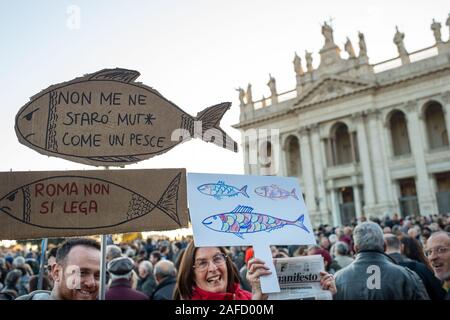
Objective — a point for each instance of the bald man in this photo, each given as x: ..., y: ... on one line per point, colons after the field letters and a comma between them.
x: 166, y: 278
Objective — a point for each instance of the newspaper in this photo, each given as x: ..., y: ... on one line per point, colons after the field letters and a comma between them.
x: 299, y: 279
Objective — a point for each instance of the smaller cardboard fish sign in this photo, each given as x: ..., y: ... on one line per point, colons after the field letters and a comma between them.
x: 275, y: 192
x: 46, y: 204
x: 221, y: 189
x: 242, y: 220
x: 107, y: 119
x: 274, y: 217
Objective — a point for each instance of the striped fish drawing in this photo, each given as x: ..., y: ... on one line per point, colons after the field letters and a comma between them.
x: 243, y: 220
x: 220, y: 189
x: 275, y: 192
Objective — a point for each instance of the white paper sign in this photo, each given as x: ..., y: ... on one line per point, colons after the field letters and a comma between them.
x: 242, y: 210
x: 236, y: 210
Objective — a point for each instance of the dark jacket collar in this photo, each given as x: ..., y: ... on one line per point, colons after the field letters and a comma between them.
x: 166, y: 281
x: 120, y: 283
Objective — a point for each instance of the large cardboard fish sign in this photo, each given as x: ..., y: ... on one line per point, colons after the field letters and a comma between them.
x: 46, y: 204
x: 108, y: 119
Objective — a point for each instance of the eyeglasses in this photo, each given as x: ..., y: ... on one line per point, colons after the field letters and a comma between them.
x: 218, y: 260
x: 438, y: 251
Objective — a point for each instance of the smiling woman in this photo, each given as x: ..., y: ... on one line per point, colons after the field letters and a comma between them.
x: 207, y: 273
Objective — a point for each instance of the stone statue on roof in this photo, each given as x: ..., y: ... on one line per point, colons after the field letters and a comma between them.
x: 298, y: 65
x: 249, y: 94
x: 436, y: 27
x: 349, y: 48
x: 272, y: 85
x: 362, y: 45
x: 308, y: 58
x: 398, y: 40
x: 241, y: 95
x: 327, y: 32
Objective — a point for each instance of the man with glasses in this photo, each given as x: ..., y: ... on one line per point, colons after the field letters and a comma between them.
x: 438, y: 253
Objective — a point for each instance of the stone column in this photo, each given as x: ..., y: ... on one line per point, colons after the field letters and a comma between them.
x: 378, y: 159
x: 246, y: 158
x: 352, y: 146
x: 392, y: 205
x: 307, y: 170
x: 319, y: 169
x: 357, y: 198
x: 282, y: 164
x: 427, y: 201
x: 364, y: 156
x: 334, y: 205
x: 446, y: 109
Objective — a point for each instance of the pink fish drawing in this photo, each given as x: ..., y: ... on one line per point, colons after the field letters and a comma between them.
x: 243, y: 220
x: 275, y: 192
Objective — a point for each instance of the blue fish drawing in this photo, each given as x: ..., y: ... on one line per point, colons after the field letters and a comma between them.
x: 243, y: 220
x: 275, y: 192
x: 220, y: 189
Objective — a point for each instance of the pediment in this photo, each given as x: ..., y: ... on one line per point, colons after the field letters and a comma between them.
x: 331, y: 88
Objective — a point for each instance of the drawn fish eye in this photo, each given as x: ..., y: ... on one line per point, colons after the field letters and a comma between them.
x: 215, y: 218
x: 29, y: 115
x: 12, y: 196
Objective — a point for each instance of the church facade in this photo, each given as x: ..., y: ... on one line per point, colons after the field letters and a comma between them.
x: 363, y: 139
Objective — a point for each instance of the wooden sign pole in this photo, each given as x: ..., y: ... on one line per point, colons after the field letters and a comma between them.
x: 42, y: 264
x: 102, y: 289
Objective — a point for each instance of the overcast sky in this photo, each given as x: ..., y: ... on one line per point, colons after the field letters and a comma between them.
x: 195, y: 53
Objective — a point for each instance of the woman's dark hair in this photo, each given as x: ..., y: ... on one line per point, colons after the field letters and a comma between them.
x: 12, y: 278
x: 186, y: 275
x: 46, y: 285
x: 413, y: 250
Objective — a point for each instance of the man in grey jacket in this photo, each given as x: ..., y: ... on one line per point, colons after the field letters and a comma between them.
x: 374, y: 275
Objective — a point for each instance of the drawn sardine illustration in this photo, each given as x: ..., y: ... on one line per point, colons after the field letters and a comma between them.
x: 275, y: 192
x: 243, y: 220
x: 106, y: 118
x: 74, y: 211
x: 220, y: 189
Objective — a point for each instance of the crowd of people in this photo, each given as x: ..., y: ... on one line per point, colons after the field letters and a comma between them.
x: 409, y: 259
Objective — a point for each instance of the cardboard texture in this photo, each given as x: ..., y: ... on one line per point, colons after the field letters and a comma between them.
x: 108, y: 119
x: 78, y: 203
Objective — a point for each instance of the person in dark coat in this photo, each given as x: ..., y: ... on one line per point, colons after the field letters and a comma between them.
x: 166, y: 277
x: 432, y: 284
x: 374, y: 275
x: 10, y: 291
x: 146, y: 283
x: 120, y: 270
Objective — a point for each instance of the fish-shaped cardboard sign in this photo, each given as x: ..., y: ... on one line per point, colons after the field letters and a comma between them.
x: 72, y: 203
x: 108, y: 119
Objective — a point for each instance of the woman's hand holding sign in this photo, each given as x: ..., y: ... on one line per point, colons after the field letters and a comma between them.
x: 256, y: 269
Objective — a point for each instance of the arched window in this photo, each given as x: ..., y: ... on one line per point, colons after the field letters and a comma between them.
x: 435, y: 123
x: 399, y: 134
x: 342, y: 144
x: 294, y: 167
